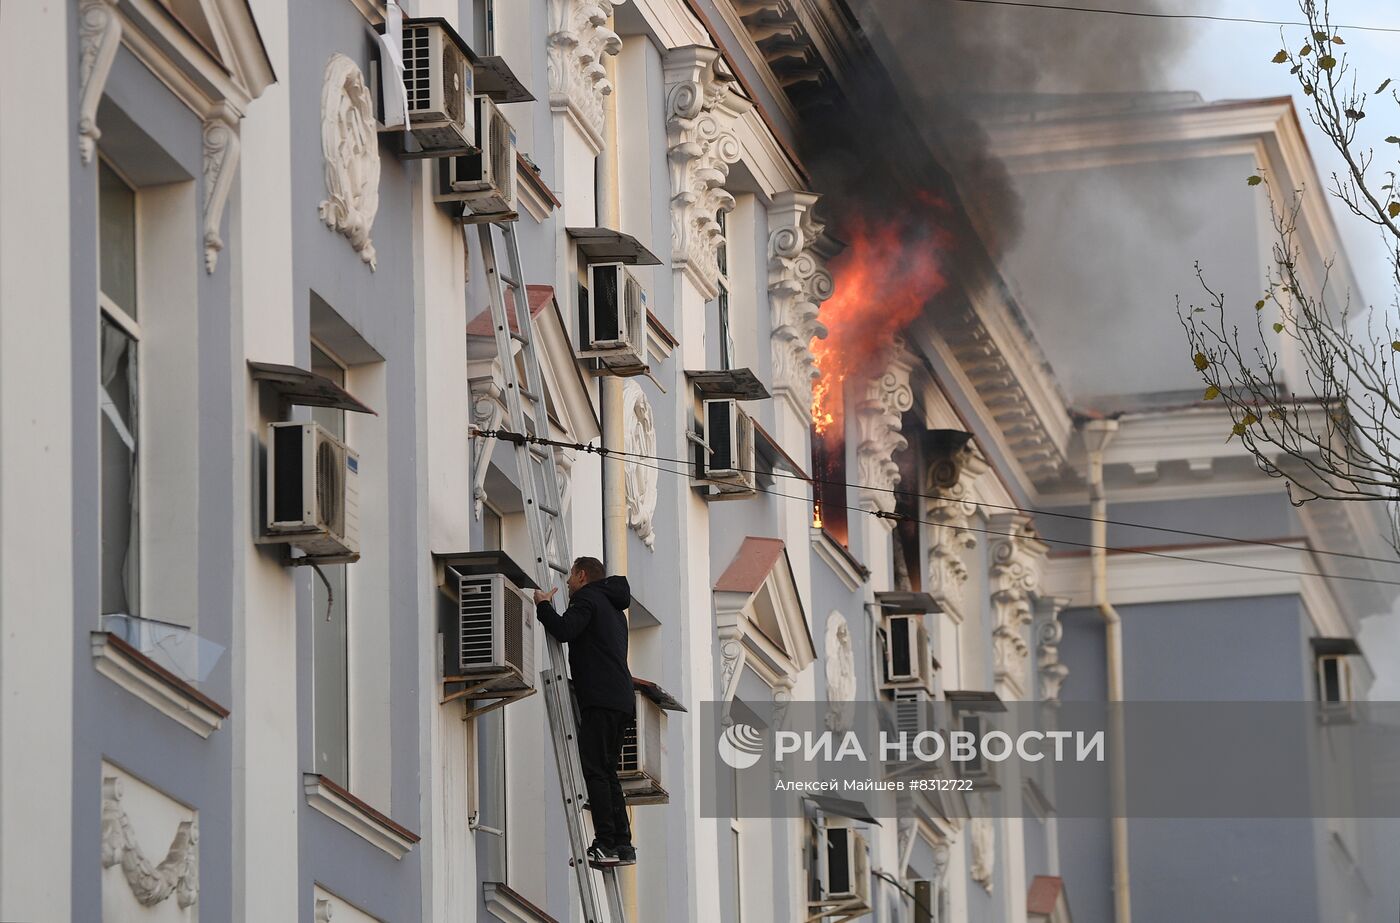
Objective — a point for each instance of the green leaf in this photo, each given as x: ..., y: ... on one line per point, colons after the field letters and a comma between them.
x: 1307, y: 89
x: 1255, y: 180
x: 1211, y: 393
x: 1249, y: 419
x: 1304, y: 51
x: 1275, y: 415
x: 1393, y: 209
x: 1278, y: 328
x: 1385, y: 83
x: 1238, y: 429
x: 1282, y: 56
x: 1259, y: 305
x: 1327, y: 62
x: 1337, y: 40
x: 1320, y: 36
x: 1202, y: 363
x: 1392, y: 139
x: 1395, y: 346
x: 1355, y: 115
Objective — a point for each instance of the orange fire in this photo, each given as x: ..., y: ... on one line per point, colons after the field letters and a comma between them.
x: 883, y: 280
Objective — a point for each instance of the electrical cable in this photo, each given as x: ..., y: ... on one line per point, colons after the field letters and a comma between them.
x: 1029, y: 511
x: 1148, y: 15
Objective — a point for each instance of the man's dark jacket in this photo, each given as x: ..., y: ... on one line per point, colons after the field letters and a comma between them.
x: 596, y: 631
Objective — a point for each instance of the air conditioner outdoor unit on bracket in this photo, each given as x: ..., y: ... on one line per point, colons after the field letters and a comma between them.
x: 438, y: 76
x: 913, y: 712
x: 313, y: 492
x: 642, y: 768
x: 484, y: 180
x: 908, y: 660
x: 844, y: 869
x: 727, y: 462
x: 613, y: 319
x: 488, y: 637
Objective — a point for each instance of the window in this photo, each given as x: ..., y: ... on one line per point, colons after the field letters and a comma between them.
x: 119, y: 395
x: 330, y: 636
x: 726, y: 333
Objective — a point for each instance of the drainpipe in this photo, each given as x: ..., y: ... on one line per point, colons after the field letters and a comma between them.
x: 1097, y: 434
x: 610, y: 397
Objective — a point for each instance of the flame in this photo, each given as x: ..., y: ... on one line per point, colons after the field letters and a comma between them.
x: 882, y: 282
x: 817, y: 515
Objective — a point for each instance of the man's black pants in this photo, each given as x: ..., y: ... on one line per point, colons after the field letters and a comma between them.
x: 600, y: 732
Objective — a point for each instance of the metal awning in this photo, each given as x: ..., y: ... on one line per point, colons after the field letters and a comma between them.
x: 307, y: 389
x: 974, y: 700
x: 495, y: 79
x: 899, y: 601
x: 604, y: 245
x: 740, y: 384
x: 842, y: 807
x: 1334, y: 646
x: 486, y: 562
x: 661, y: 697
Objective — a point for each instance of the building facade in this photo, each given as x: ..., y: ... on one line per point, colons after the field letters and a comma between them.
x: 214, y: 232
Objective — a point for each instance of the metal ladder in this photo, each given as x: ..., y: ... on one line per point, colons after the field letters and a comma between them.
x: 549, y: 542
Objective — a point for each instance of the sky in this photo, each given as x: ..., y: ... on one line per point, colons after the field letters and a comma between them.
x: 1231, y: 61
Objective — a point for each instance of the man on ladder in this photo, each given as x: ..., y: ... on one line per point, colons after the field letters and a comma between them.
x: 596, y: 631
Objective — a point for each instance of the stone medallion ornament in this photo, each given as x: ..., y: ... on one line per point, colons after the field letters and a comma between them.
x: 639, y: 439
x: 840, y: 673
x: 350, y: 145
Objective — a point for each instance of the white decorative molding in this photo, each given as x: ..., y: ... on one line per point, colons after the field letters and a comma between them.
x: 731, y: 652
x: 220, y: 163
x: 984, y: 851
x: 1048, y: 633
x: 702, y: 102
x: 507, y: 906
x: 879, y: 420
x: 639, y: 439
x: 332, y: 908
x: 136, y: 674
x: 948, y: 508
x: 355, y: 817
x: 488, y: 410
x: 836, y: 558
x: 99, y: 36
x: 579, y: 37
x: 350, y: 146
x: 1016, y: 559
x: 797, y: 286
x: 177, y: 874
x: 840, y: 673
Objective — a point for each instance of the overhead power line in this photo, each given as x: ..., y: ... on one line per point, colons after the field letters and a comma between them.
x: 1029, y: 511
x: 1141, y: 14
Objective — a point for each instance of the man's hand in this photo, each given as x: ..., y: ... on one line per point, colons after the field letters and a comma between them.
x: 541, y: 596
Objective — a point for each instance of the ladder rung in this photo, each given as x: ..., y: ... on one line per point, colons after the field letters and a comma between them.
x: 549, y: 510
x: 558, y: 568
x: 520, y: 338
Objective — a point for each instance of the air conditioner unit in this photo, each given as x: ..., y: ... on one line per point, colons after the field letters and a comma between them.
x: 845, y: 868
x: 908, y: 660
x: 488, y: 643
x: 438, y: 80
x: 613, y: 318
x: 913, y: 713
x: 312, y: 491
x: 729, y: 464
x: 485, y: 178
x: 642, y: 766
x: 1333, y: 679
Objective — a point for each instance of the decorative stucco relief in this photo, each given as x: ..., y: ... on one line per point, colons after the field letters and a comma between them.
x: 702, y: 102
x: 797, y: 286
x: 579, y: 37
x: 220, y: 163
x: 177, y: 873
x: 984, y: 851
x: 639, y: 439
x: 879, y: 418
x: 99, y: 36
x: 1016, y: 559
x: 350, y: 146
x: 840, y: 673
x: 1049, y: 632
x: 950, y: 506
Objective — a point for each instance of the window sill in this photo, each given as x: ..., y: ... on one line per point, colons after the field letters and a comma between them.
x: 508, y: 906
x: 354, y: 815
x: 155, y: 685
x: 840, y: 559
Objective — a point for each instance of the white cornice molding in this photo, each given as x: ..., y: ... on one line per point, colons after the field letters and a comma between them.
x: 672, y: 24
x: 825, y: 547
x: 507, y: 906
x: 354, y: 818
x: 798, y: 283
x: 99, y: 37
x: 756, y: 58
x: 113, y: 661
x: 220, y: 164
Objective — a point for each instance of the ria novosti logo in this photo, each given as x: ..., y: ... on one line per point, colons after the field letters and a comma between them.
x: 740, y: 746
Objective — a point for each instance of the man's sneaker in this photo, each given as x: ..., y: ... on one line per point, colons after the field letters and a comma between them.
x: 601, y: 857
x: 626, y: 855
